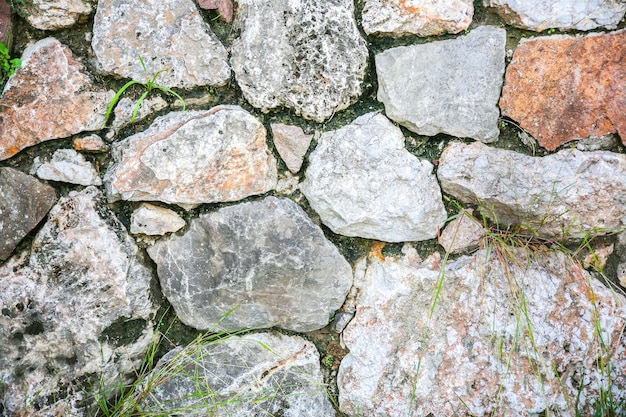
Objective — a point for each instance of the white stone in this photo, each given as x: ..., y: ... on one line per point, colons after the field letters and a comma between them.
x: 69, y: 166
x: 55, y: 14
x: 291, y: 143
x: 152, y: 220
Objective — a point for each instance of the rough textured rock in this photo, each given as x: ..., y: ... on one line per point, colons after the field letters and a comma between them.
x: 307, y: 56
x: 49, y: 97
x: 362, y: 182
x: 260, y: 374
x: 224, y: 7
x: 564, y: 195
x: 60, y: 300
x: 562, y: 88
x: 24, y: 201
x: 194, y: 157
x: 291, y: 144
x: 92, y: 143
x: 465, y: 233
x: 265, y: 259
x: 6, y: 23
x: 167, y: 34
x: 509, y: 336
x: 152, y: 220
x: 56, y: 14
x: 449, y: 86
x: 123, y: 112
x: 540, y: 15
x: 69, y: 166
x: 620, y: 253
x: 421, y: 17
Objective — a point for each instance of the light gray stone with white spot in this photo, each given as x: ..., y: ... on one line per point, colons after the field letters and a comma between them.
x: 67, y: 165
x: 153, y: 220
x: 55, y: 14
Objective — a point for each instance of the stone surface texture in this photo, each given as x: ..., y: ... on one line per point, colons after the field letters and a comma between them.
x: 24, y: 201
x: 67, y: 165
x: 397, y: 201
x: 450, y: 86
x: 620, y: 254
x: 291, y: 143
x: 508, y: 336
x: 123, y: 112
x: 92, y: 143
x: 564, y: 195
x: 153, y: 220
x: 540, y: 15
x: 463, y: 234
x: 265, y: 259
x: 416, y: 17
x: 56, y: 14
x: 49, y: 97
x: 194, y: 157
x: 82, y: 276
x: 6, y: 23
x: 167, y: 34
x: 267, y: 374
x: 562, y: 88
x: 224, y: 8
x: 307, y: 56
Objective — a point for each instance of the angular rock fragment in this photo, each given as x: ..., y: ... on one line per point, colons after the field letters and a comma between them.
x: 69, y: 166
x: 194, y: 157
x: 224, y: 8
x: 462, y: 234
x: 152, y: 220
x: 49, y: 97
x: 58, y: 302
x: 563, y: 88
x: 508, y: 335
x: 560, y: 196
x: 291, y: 144
x: 449, y: 86
x: 92, y: 143
x: 421, y: 17
x: 540, y: 15
x: 307, y: 56
x: 265, y: 259
x: 363, y: 182
x: 124, y: 109
x: 168, y: 35
x: 261, y: 374
x: 55, y: 14
x: 24, y: 201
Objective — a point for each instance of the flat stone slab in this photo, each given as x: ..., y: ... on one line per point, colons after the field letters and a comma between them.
x: 194, y: 157
x: 450, y: 86
x: 563, y: 88
x: 306, y: 56
x: 561, y: 196
x: 266, y: 260
x: 167, y: 34
x: 362, y: 182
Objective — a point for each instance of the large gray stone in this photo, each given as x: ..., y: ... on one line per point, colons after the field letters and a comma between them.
x: 565, y: 195
x: 194, y: 157
x: 307, y: 56
x: 540, y: 15
x: 363, y: 182
x: 55, y: 14
x: 24, y: 201
x: 167, y: 34
x: 261, y: 374
x: 509, y: 335
x: 82, y: 277
x: 265, y: 259
x: 450, y: 86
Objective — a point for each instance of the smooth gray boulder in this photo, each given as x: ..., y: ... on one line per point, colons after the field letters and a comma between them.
x: 566, y: 195
x: 261, y: 374
x: 308, y: 56
x: 265, y: 259
x: 450, y: 86
x: 362, y: 182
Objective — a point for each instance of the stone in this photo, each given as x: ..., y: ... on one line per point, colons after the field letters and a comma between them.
x: 169, y: 36
x: 267, y: 374
x: 291, y: 144
x: 620, y: 261
x: 450, y: 86
x: 194, y: 157
x: 306, y: 56
x: 60, y: 302
x: 6, y: 24
x: 123, y: 112
x: 561, y: 196
x: 597, y: 143
x: 563, y: 88
x: 56, y: 14
x: 24, y: 202
x: 362, y: 182
x: 539, y: 15
x: 463, y: 234
x: 423, y: 18
x: 253, y: 265
x: 224, y: 8
x: 49, y: 97
x: 69, y: 166
x: 153, y: 220
x: 508, y: 335
x: 92, y: 143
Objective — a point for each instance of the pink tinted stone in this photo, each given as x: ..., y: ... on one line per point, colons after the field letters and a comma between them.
x: 224, y: 7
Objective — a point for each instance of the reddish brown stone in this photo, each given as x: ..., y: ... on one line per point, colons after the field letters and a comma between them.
x: 563, y: 88
x: 5, y: 23
x: 224, y: 7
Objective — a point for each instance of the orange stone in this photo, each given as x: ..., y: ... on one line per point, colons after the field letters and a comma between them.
x: 563, y: 88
